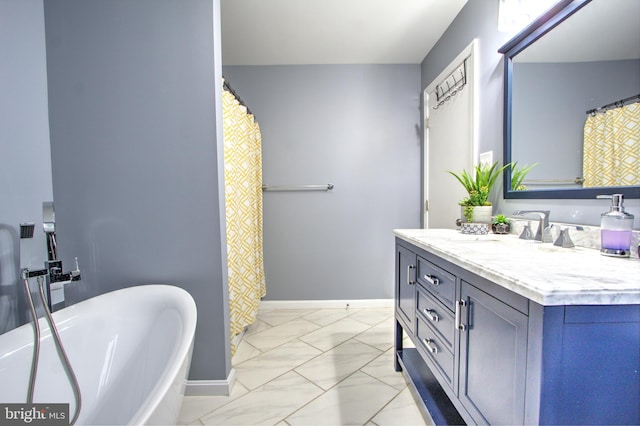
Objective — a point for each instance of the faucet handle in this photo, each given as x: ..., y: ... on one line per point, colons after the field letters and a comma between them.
x: 75, y: 274
x: 526, y: 232
x: 564, y: 239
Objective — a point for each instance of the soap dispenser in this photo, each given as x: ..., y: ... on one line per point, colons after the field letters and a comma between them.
x: 615, y: 228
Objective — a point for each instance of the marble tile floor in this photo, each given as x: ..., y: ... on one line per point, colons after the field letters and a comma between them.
x: 312, y: 367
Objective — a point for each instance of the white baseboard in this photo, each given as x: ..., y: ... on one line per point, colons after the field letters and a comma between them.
x: 211, y: 387
x: 326, y: 304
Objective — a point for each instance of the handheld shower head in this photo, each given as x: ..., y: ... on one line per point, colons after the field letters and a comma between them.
x: 26, y: 230
x: 26, y: 245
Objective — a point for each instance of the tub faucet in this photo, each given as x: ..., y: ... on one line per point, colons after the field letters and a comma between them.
x: 54, y: 268
x: 543, y: 224
x: 53, y: 265
x: 26, y: 247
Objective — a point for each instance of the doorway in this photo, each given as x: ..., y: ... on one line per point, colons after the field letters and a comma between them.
x: 450, y: 138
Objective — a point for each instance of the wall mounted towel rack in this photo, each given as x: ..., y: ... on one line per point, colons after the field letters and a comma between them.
x: 326, y: 187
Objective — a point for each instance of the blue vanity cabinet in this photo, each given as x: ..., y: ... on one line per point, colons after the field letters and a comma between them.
x: 487, y: 355
x: 502, y: 351
x: 473, y: 342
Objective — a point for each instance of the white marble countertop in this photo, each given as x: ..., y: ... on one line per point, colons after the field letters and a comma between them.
x: 544, y: 273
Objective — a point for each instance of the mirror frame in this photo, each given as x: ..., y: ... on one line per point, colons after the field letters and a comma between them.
x: 545, y: 23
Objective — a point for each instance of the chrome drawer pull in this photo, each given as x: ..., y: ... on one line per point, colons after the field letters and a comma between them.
x: 459, y: 305
x: 432, y: 315
x: 433, y: 280
x: 409, y: 268
x: 430, y: 345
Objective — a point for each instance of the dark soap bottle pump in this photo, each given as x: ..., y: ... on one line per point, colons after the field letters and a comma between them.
x: 615, y: 228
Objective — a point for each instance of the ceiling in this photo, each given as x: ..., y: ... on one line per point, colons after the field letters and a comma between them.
x: 292, y: 32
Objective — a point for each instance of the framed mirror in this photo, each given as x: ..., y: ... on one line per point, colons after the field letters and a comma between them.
x: 578, y: 60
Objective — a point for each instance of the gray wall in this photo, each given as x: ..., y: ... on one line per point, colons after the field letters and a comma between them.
x: 133, y: 103
x: 479, y: 19
x: 351, y: 125
x: 25, y: 162
x: 548, y: 125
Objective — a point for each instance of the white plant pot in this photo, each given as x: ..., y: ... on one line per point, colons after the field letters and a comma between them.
x: 481, y: 214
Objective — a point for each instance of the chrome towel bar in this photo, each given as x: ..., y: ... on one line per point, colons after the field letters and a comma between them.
x: 327, y: 187
x: 576, y: 181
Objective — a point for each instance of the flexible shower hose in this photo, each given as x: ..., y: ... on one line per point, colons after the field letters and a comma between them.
x: 61, y: 353
x: 36, y: 346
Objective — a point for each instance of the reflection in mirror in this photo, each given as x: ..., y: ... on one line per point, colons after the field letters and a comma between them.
x: 554, y: 75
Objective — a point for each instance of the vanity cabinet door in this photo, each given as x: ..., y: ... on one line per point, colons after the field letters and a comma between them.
x: 406, y: 287
x: 493, y: 346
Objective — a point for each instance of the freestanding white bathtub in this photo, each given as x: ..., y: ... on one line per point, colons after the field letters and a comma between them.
x: 130, y: 350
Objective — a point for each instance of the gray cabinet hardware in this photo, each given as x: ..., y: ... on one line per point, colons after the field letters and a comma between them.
x: 432, y: 315
x: 431, y: 279
x: 430, y: 345
x: 409, y: 280
x: 460, y: 304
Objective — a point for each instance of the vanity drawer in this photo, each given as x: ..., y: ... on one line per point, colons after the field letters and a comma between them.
x: 432, y: 346
x: 438, y: 281
x: 436, y: 315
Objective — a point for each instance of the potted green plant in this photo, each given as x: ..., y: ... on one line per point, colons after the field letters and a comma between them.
x: 518, y: 174
x: 500, y: 224
x: 478, y: 186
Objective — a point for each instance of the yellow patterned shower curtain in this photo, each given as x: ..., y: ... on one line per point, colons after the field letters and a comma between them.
x: 243, y: 205
x: 612, y: 147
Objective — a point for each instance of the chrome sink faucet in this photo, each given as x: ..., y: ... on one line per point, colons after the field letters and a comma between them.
x: 543, y: 224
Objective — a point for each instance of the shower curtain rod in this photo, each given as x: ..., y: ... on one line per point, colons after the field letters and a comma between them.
x: 616, y: 104
x: 228, y: 87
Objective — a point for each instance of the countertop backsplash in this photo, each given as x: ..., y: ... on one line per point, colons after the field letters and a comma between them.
x: 581, y: 235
